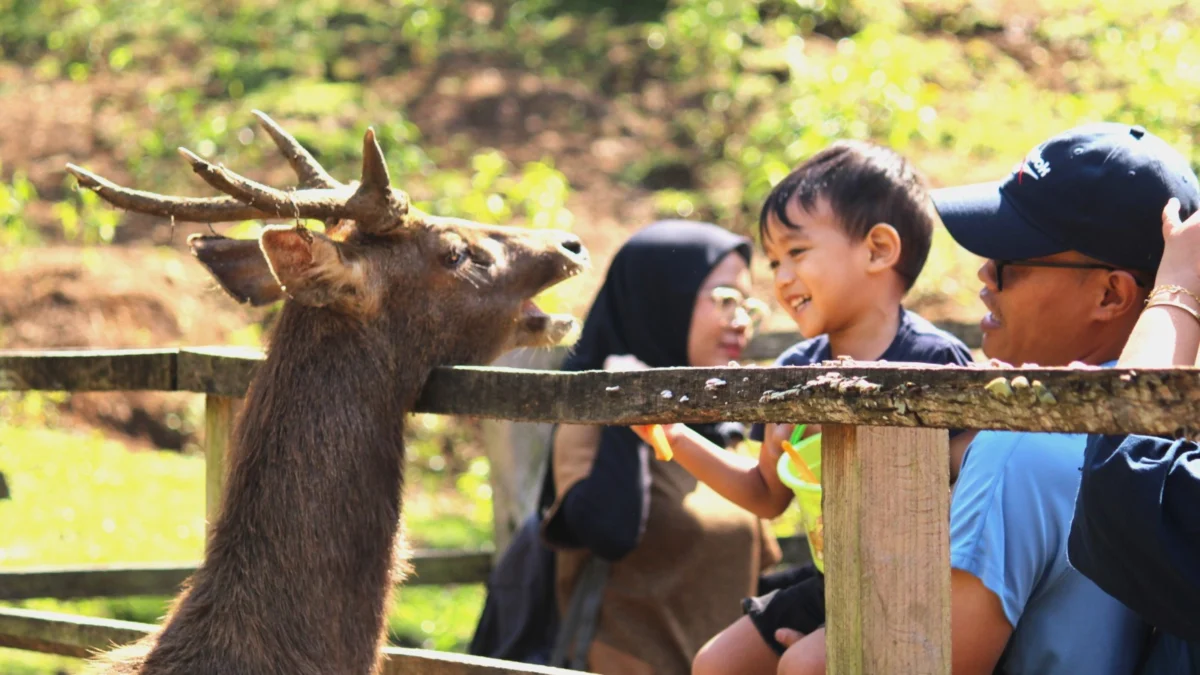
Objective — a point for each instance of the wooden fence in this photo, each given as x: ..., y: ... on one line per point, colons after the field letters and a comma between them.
x: 888, y: 581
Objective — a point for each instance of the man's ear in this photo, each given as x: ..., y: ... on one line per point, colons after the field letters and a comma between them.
x: 311, y: 269
x: 238, y: 266
x: 1121, y: 296
x: 883, y: 247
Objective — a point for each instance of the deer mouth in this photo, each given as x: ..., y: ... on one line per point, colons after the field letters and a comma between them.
x: 536, y: 328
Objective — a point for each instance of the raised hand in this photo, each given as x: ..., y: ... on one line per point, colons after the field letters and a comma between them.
x: 1181, y: 257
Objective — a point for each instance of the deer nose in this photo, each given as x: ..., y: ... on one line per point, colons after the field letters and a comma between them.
x: 573, y: 246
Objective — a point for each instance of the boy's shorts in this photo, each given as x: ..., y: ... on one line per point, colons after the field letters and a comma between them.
x: 794, y: 598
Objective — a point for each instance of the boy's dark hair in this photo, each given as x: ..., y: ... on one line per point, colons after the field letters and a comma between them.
x: 865, y: 184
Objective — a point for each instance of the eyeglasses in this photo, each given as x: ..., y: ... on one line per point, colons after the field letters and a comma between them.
x: 1001, y: 264
x: 729, y: 300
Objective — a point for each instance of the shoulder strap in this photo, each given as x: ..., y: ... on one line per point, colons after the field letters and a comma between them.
x: 578, y: 628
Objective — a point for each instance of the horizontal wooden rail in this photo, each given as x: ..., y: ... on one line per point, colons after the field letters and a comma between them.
x: 430, y: 567
x: 71, y: 635
x: 155, y: 369
x: 1156, y: 401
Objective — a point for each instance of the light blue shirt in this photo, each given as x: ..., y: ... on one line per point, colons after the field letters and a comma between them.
x: 1009, y: 520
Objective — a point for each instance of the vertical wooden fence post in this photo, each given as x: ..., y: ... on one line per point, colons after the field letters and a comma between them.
x: 887, y: 549
x: 219, y: 413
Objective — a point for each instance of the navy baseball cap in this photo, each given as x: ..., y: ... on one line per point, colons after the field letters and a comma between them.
x: 1098, y: 189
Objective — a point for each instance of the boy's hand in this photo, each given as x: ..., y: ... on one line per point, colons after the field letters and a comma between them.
x: 776, y: 434
x: 773, y: 437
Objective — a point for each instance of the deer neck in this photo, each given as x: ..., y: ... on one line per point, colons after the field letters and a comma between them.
x: 302, y: 552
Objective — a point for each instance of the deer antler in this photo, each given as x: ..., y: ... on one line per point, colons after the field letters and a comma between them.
x: 372, y: 203
x: 308, y: 169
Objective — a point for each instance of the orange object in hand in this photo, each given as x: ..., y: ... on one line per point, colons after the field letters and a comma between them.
x: 657, y: 438
x: 798, y: 462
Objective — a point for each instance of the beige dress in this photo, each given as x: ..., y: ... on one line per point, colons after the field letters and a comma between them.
x: 699, y: 557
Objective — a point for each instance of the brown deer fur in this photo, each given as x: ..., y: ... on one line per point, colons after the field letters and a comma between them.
x: 299, y: 564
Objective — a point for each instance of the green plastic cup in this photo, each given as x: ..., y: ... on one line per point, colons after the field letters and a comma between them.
x: 808, y: 495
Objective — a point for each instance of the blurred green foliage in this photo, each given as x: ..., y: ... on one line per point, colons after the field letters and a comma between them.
x: 756, y: 85
x: 15, y: 228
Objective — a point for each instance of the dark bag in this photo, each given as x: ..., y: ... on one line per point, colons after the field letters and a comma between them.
x: 520, y: 616
x: 520, y: 620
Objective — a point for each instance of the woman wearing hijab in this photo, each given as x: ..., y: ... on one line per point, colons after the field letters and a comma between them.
x: 682, y: 557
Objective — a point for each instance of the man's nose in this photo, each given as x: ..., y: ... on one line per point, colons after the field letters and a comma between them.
x: 987, y: 274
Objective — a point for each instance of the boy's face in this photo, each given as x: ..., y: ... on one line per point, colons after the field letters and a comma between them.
x: 819, y: 271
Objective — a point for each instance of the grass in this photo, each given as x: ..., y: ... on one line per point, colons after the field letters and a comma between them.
x: 79, y: 498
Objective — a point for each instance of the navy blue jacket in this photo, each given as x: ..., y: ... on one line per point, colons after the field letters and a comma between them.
x: 1136, y: 532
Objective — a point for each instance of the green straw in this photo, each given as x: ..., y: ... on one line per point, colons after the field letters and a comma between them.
x: 797, y: 433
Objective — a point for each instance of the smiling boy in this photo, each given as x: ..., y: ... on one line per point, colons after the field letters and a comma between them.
x: 847, y: 234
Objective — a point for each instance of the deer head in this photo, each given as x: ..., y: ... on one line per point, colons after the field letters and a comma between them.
x: 381, y: 262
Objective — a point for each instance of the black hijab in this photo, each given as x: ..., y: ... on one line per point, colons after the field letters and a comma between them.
x: 645, y: 306
x: 644, y: 309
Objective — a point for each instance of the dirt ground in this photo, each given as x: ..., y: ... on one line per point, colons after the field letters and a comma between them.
x: 591, y: 139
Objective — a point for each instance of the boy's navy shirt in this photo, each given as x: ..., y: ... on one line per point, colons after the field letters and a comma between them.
x: 917, y: 341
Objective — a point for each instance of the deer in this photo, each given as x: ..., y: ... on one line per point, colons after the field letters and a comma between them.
x: 300, y: 562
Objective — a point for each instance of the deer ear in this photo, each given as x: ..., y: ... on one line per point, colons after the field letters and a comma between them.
x: 239, y: 266
x: 310, y: 268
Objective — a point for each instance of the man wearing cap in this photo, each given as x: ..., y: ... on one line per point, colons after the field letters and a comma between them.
x: 1072, y: 240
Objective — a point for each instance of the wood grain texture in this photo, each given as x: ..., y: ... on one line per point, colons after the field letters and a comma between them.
x: 78, y: 636
x: 887, y: 549
x: 1159, y: 401
x: 431, y: 567
x: 1153, y: 401
x: 88, y: 370
x: 219, y: 415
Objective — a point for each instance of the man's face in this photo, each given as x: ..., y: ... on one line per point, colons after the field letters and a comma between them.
x: 1043, y: 314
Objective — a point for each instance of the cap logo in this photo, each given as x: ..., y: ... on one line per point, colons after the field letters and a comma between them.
x: 1035, y: 166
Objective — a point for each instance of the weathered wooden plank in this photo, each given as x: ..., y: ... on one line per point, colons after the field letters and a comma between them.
x: 92, y: 581
x: 88, y: 370
x: 887, y: 549
x: 224, y: 371
x: 70, y: 635
x: 227, y: 370
x: 1158, y: 401
x: 435, y: 568
x: 219, y: 414
x: 64, y: 634
x: 402, y: 661
x: 430, y: 567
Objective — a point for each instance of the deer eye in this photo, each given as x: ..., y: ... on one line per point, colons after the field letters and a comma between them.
x: 455, y: 257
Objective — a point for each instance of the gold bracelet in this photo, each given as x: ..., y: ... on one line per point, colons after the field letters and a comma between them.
x: 1178, y: 305
x: 1171, y: 288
